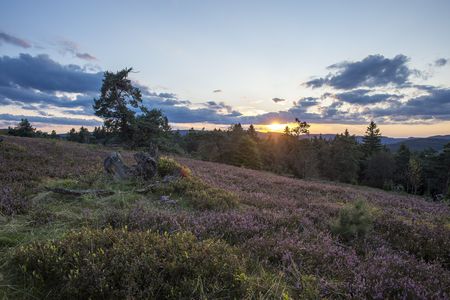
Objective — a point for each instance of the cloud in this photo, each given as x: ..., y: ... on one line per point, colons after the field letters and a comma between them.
x: 50, y: 120
x: 217, y: 91
x: 85, y: 56
x: 276, y: 100
x: 167, y: 95
x: 372, y: 71
x: 43, y: 74
x: 73, y: 48
x: 306, y: 102
x: 38, y: 84
x: 222, y: 107
x: 440, y: 62
x: 7, y: 38
x: 364, y: 97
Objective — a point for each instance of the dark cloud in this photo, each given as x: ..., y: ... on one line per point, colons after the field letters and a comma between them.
x: 167, y: 95
x: 441, y: 62
x: 85, y: 56
x: 372, y: 71
x: 50, y: 120
x: 219, y: 106
x: 71, y: 47
x: 276, y: 100
x: 363, y: 97
x: 217, y: 91
x: 306, y: 102
x: 42, y: 73
x: 7, y: 38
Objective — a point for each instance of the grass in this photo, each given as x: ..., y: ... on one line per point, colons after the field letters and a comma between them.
x: 282, y: 227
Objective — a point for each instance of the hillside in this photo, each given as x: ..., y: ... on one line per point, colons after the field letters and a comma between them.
x: 419, y: 144
x: 234, y: 233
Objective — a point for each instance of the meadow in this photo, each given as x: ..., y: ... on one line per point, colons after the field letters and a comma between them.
x: 231, y: 233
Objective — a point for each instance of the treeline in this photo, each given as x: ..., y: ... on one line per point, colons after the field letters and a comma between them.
x: 25, y: 129
x: 339, y: 159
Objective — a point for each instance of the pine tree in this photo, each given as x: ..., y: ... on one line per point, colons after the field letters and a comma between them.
x: 23, y: 129
x: 402, y: 158
x: 252, y: 132
x: 372, y: 140
x: 117, y: 96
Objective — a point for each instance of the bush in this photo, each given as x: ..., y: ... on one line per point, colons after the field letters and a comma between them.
x: 11, y: 203
x: 353, y: 222
x: 104, y: 264
x: 200, y: 195
x: 169, y: 166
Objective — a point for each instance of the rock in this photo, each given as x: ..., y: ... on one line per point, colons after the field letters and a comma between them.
x: 146, y: 166
x: 170, y: 178
x: 1, y: 139
x: 164, y: 198
x: 115, y: 166
x: 167, y: 200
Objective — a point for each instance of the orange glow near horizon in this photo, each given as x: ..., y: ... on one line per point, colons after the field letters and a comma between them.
x: 273, y: 127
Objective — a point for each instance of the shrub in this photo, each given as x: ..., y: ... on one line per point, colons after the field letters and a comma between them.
x: 353, y: 222
x: 169, y: 166
x: 200, y: 195
x: 11, y: 203
x: 104, y: 264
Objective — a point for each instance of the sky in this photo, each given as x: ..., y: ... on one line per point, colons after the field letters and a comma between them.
x: 334, y: 64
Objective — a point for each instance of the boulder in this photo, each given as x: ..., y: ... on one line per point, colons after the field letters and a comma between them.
x: 146, y: 166
x: 115, y: 166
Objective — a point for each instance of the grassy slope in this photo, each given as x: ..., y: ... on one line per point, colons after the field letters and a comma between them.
x: 282, y: 223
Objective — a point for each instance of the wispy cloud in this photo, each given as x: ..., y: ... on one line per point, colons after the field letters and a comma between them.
x: 13, y: 40
x: 67, y: 46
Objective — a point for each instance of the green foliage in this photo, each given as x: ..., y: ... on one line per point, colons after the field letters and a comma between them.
x: 121, y: 264
x: 380, y: 170
x: 200, y: 195
x: 371, y: 140
x: 151, y: 127
x: 117, y: 96
x: 299, y: 128
x: 168, y: 166
x: 24, y: 129
x: 354, y: 221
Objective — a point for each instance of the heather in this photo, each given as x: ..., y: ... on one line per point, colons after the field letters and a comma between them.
x: 230, y: 233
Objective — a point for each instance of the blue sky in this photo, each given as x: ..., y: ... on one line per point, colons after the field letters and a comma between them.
x: 252, y: 51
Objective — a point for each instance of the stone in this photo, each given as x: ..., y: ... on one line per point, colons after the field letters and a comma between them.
x: 115, y: 166
x: 146, y: 166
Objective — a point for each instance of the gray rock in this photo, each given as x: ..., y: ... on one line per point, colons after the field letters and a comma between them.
x: 115, y: 166
x: 146, y: 166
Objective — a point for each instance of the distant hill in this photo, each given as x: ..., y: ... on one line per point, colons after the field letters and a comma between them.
x: 418, y: 144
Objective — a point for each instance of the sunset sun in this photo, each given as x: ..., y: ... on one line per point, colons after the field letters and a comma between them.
x: 275, y: 127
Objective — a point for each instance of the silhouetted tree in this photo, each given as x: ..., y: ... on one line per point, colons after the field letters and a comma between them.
x: 380, y: 170
x: 402, y: 158
x: 73, y: 136
x: 83, y: 135
x: 23, y: 129
x: 117, y: 97
x: 371, y: 140
x: 53, y: 135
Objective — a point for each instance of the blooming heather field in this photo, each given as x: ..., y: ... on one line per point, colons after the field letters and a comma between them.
x: 270, y: 237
